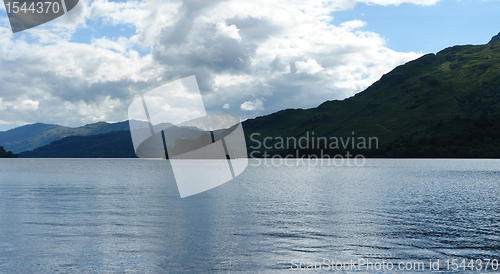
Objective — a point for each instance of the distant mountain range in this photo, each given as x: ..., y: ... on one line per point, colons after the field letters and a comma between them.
x: 117, y: 144
x: 29, y: 137
x: 440, y: 105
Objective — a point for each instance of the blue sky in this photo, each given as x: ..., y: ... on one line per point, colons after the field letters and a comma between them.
x: 250, y: 58
x: 428, y: 29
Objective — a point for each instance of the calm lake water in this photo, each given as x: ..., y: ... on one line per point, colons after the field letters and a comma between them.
x: 125, y: 215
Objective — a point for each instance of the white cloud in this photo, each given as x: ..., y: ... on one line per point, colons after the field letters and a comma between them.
x: 226, y: 106
x: 285, y: 53
x: 256, y: 104
x: 228, y: 31
x: 28, y: 105
x: 310, y: 66
x: 354, y: 24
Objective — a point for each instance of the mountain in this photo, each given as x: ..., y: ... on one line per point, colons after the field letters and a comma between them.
x: 117, y: 144
x: 495, y: 38
x: 29, y: 137
x: 439, y: 105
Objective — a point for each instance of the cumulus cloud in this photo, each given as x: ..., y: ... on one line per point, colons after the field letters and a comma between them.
x: 284, y: 53
x: 256, y: 104
x: 310, y: 66
x: 354, y: 24
x: 228, y: 31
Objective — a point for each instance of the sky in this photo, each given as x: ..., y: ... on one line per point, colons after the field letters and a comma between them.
x: 250, y: 58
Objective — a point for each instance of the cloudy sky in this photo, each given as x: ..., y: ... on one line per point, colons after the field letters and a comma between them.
x: 250, y: 57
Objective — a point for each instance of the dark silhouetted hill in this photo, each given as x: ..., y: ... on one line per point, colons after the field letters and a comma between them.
x: 7, y: 154
x: 495, y: 38
x: 117, y: 144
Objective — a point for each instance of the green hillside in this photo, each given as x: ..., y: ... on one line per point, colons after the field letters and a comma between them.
x: 440, y: 105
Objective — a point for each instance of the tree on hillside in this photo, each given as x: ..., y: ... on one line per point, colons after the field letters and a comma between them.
x: 5, y: 154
